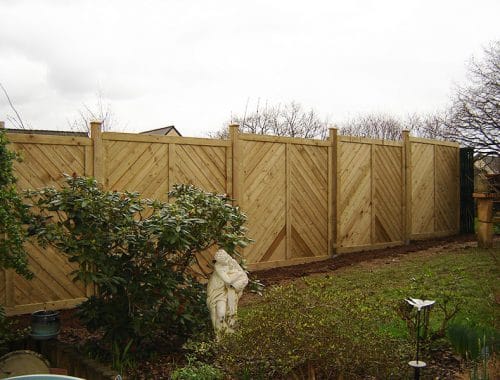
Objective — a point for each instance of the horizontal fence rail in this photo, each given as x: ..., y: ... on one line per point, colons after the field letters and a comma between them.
x: 305, y: 199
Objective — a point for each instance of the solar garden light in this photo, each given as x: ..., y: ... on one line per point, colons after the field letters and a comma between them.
x: 419, y: 304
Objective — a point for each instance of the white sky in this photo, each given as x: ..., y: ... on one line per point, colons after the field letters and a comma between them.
x: 195, y: 63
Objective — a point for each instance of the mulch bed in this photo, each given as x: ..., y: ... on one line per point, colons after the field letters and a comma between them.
x: 277, y: 275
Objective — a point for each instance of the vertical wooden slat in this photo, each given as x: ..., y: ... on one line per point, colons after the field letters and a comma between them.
x: 457, y: 152
x: 338, y: 189
x: 233, y: 134
x: 96, y: 135
x: 288, y: 202
x: 332, y: 191
x: 171, y: 166
x: 88, y: 161
x: 372, y: 195
x: 434, y: 177
x: 229, y: 172
x: 406, y: 187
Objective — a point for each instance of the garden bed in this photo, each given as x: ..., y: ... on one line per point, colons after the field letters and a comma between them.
x: 442, y: 363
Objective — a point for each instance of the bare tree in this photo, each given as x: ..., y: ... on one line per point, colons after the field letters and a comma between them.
x: 101, y: 111
x: 474, y: 117
x: 428, y: 126
x: 376, y: 126
x: 281, y: 120
x: 15, y: 120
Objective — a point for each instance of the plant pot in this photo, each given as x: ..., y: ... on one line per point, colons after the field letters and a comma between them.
x: 45, y: 324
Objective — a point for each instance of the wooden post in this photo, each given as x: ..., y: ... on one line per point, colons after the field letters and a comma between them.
x: 435, y: 227
x: 332, y: 191
x: 96, y: 135
x: 233, y: 135
x: 485, y: 218
x: 406, y: 187
x: 2, y: 124
x: 372, y: 195
x: 337, y: 186
x: 288, y: 202
x: 458, y: 206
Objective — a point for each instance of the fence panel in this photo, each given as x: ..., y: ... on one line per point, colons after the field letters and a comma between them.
x: 422, y: 189
x: 301, y: 196
x: 263, y: 198
x: 355, y: 187
x: 447, y: 190
x: 44, y: 162
x: 202, y: 166
x: 309, y: 200
x: 435, y: 190
x: 388, y: 194
x: 136, y: 166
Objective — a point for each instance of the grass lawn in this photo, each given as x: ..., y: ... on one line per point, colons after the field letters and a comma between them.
x: 349, y: 322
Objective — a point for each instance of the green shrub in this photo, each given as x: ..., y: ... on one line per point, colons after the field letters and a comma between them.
x: 197, y: 371
x: 13, y: 215
x: 138, y: 253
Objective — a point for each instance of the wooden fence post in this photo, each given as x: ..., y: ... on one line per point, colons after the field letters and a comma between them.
x: 96, y: 135
x: 236, y: 156
x: 332, y: 191
x: 407, y: 187
x: 98, y: 166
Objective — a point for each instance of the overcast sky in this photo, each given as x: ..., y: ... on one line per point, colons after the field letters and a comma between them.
x: 194, y: 63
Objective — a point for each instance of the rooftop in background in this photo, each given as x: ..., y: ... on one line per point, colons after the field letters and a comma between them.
x: 165, y: 131
x: 47, y: 132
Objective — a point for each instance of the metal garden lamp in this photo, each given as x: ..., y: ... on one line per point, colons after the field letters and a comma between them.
x: 419, y: 304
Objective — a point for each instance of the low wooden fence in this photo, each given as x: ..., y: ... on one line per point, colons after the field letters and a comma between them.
x: 305, y: 199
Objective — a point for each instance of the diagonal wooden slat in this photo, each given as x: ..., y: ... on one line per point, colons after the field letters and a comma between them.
x: 422, y: 207
x: 388, y: 194
x: 355, y: 194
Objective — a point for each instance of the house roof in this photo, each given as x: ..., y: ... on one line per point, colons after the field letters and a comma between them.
x: 46, y: 132
x: 162, y: 131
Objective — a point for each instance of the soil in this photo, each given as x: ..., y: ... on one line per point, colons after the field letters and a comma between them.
x: 277, y: 275
x: 445, y: 363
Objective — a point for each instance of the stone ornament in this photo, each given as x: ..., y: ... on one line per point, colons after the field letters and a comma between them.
x: 224, y: 289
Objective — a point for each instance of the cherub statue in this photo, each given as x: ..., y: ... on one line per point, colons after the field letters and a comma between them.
x: 224, y: 290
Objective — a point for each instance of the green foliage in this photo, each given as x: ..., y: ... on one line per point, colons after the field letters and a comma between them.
x: 9, y: 332
x: 121, y: 357
x: 295, y: 327
x: 347, y: 324
x: 138, y: 253
x: 13, y: 214
x: 476, y: 344
x: 197, y: 371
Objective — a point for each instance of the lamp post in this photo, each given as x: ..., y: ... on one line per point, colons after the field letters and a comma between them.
x: 419, y: 304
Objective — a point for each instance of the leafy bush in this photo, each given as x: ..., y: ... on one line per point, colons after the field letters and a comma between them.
x: 138, y: 253
x: 13, y: 214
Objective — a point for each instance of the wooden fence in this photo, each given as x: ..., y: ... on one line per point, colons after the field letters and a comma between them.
x: 305, y: 199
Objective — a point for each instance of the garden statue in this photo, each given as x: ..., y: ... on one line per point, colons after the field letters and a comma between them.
x: 224, y: 290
